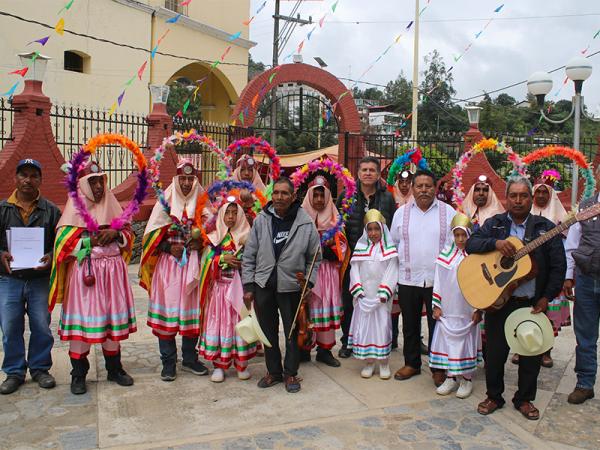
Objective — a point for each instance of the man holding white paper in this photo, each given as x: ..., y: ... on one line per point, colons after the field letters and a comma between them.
x: 27, y: 231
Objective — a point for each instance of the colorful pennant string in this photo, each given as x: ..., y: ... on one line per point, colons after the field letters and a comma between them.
x: 59, y: 28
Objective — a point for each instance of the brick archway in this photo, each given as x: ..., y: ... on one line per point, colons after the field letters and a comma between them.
x: 319, y: 79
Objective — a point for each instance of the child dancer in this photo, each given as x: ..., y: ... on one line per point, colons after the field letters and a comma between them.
x: 373, y: 277
x: 325, y: 298
x: 456, y: 344
x: 223, y: 300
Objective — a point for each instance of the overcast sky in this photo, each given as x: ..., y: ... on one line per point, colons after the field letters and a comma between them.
x: 526, y: 36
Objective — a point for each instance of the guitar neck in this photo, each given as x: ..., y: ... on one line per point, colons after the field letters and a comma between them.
x: 545, y: 238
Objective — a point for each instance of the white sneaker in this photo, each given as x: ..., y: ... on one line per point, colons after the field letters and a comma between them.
x: 447, y: 387
x: 243, y: 374
x: 465, y: 388
x: 384, y: 371
x: 218, y: 376
x: 367, y: 371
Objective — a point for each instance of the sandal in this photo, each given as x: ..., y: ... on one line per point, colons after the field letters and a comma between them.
x: 488, y: 406
x: 529, y: 411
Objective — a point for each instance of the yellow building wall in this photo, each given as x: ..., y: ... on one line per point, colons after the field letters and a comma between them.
x: 111, y: 66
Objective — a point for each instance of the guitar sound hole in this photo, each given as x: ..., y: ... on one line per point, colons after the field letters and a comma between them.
x: 507, y: 262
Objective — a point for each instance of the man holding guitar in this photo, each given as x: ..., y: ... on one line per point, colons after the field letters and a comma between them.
x: 535, y: 290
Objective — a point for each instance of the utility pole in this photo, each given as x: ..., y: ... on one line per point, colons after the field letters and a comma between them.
x: 415, y: 87
x: 276, y: 18
x: 275, y: 63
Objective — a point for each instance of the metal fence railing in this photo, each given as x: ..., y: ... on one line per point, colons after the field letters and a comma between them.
x: 443, y: 150
x: 73, y: 126
x: 6, y: 121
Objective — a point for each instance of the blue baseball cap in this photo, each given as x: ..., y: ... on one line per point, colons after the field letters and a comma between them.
x: 29, y: 162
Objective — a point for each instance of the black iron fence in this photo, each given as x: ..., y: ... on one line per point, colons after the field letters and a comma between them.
x: 6, y: 121
x: 74, y: 125
x: 443, y: 150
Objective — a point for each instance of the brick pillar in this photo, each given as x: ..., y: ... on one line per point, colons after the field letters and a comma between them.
x: 33, y: 138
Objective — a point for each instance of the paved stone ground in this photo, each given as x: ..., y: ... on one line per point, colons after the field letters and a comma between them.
x: 336, y: 409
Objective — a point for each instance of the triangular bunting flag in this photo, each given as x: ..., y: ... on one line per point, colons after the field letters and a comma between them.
x: 141, y: 70
x: 60, y: 26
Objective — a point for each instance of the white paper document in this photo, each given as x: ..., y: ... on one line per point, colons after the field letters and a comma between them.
x: 26, y: 245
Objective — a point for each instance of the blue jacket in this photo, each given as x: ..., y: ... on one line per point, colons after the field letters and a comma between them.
x: 549, y: 258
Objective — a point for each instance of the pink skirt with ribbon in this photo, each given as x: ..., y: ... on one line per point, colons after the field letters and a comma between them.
x: 175, y: 297
x: 220, y: 342
x: 103, y: 311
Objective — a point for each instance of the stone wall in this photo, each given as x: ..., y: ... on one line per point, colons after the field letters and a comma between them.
x: 138, y: 229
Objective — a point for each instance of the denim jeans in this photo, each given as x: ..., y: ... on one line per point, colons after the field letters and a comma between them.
x: 17, y: 298
x: 586, y: 318
x: 168, y: 349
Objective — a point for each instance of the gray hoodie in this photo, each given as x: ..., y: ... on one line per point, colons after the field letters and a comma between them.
x: 296, y: 256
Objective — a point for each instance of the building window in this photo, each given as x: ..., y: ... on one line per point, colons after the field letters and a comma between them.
x: 76, y: 61
x: 174, y: 5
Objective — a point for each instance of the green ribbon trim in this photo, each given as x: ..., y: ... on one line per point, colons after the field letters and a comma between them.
x: 86, y: 250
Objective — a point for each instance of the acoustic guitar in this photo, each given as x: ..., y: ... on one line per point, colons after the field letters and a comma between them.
x: 488, y: 279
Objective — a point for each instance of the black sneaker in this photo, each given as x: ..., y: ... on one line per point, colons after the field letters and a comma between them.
x: 326, y: 357
x: 44, y: 379
x: 78, y: 385
x: 345, y: 352
x: 169, y: 372
x: 196, y: 367
x: 120, y: 377
x: 11, y: 384
x: 304, y: 356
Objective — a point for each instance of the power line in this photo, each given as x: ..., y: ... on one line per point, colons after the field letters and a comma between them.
x: 450, y: 20
x: 459, y: 100
x: 118, y: 44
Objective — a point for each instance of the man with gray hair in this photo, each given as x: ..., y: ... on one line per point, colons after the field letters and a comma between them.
x: 583, y: 271
x: 533, y: 292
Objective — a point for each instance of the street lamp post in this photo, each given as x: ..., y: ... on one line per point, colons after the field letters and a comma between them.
x: 539, y: 84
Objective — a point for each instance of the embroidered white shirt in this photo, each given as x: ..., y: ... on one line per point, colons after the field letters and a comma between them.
x: 420, y: 237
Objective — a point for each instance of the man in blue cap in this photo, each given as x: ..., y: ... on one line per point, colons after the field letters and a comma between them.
x: 26, y: 290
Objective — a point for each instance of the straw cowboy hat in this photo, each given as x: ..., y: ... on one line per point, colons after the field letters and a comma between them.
x: 528, y: 334
x: 249, y: 329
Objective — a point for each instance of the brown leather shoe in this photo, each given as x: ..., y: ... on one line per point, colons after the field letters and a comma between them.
x: 547, y: 361
x: 580, y: 395
x: 269, y: 380
x: 406, y: 372
x: 439, y: 376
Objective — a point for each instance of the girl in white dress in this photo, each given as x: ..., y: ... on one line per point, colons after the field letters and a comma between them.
x: 373, y: 278
x: 456, y: 343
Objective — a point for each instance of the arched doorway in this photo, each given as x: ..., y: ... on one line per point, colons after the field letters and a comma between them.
x: 216, y: 94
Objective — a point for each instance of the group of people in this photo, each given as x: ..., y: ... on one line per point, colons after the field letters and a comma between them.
x: 398, y: 253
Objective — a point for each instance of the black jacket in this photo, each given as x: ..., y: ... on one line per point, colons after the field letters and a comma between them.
x: 382, y: 200
x: 549, y: 258
x: 45, y: 215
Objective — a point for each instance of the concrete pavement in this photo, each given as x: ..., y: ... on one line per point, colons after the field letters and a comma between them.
x: 335, y: 409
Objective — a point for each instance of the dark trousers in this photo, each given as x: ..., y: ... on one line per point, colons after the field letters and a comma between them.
x: 411, y: 303
x: 168, y: 349
x: 347, y: 304
x: 497, y: 353
x: 269, y: 304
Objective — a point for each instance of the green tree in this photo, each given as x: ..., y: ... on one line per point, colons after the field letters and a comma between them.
x: 399, y: 94
x: 254, y: 68
x: 437, y: 112
x: 178, y: 95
